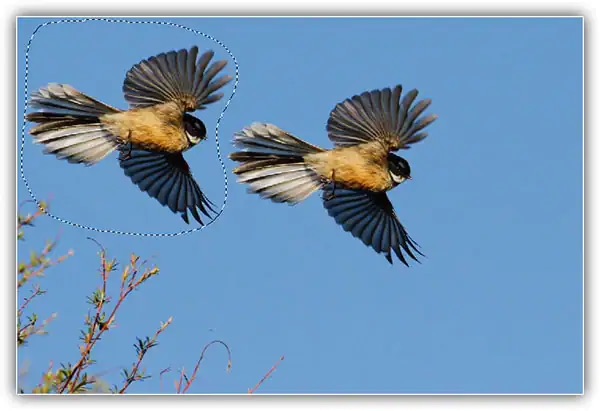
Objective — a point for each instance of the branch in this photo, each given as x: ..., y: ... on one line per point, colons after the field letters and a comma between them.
x: 142, y: 349
x: 30, y: 328
x: 161, y: 375
x: 28, y: 220
x: 40, y: 262
x: 98, y: 326
x: 251, y: 391
x: 34, y: 293
x: 191, y: 379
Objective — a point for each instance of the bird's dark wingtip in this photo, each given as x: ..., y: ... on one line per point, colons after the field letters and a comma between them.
x: 388, y: 257
x: 209, y: 204
x: 196, y: 216
x: 185, y: 218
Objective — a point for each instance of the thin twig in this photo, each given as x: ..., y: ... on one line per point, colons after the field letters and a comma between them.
x: 179, y: 383
x: 97, y: 243
x: 42, y: 263
x: 251, y: 390
x: 32, y: 329
x: 143, y: 351
x: 35, y: 292
x: 96, y: 333
x: 80, y: 365
x: 191, y: 379
x: 29, y: 219
x: 161, y: 375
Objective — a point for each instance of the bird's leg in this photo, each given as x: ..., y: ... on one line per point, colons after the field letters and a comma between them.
x: 126, y: 155
x: 329, y: 196
x: 125, y: 152
x: 333, y: 182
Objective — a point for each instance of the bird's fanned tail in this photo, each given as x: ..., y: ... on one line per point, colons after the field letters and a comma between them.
x: 69, y: 124
x: 273, y: 163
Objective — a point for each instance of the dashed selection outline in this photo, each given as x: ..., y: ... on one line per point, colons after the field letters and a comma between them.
x: 218, y: 148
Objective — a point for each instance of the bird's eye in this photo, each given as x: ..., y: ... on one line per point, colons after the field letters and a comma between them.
x: 190, y: 129
x: 194, y: 126
x: 194, y: 129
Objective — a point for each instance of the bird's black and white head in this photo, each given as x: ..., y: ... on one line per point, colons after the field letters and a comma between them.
x: 195, y: 131
x: 399, y: 169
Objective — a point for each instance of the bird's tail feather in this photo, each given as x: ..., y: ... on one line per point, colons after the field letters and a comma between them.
x: 69, y: 124
x: 273, y: 163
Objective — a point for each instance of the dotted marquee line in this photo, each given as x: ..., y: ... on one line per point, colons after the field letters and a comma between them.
x: 107, y: 20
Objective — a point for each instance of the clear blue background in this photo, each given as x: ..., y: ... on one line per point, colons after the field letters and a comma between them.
x: 495, y: 202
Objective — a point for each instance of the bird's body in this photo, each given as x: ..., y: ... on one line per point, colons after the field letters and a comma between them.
x: 151, y: 135
x: 354, y: 175
x: 154, y: 128
x: 360, y: 167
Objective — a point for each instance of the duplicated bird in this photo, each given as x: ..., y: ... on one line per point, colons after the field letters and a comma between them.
x: 151, y: 136
x: 355, y: 175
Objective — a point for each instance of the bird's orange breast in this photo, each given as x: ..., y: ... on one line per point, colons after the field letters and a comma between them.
x: 155, y: 128
x: 361, y: 167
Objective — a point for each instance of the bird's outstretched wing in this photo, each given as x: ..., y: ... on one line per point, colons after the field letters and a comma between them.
x: 370, y: 217
x: 167, y: 178
x: 175, y: 76
x: 381, y: 115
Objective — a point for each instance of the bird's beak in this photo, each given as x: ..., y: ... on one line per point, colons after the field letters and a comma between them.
x: 408, y: 177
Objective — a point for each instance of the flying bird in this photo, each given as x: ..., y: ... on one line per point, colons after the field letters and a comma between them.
x: 151, y: 135
x: 355, y: 175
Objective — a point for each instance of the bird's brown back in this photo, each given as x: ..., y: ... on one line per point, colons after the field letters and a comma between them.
x: 154, y: 128
x: 360, y: 167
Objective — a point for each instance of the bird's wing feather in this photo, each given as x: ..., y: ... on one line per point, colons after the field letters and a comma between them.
x: 371, y: 218
x: 167, y: 178
x: 380, y: 115
x: 175, y: 76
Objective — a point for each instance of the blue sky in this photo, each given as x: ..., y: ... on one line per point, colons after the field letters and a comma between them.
x: 495, y: 202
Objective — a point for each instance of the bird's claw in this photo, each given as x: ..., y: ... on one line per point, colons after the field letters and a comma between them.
x: 126, y: 152
x: 328, y: 195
